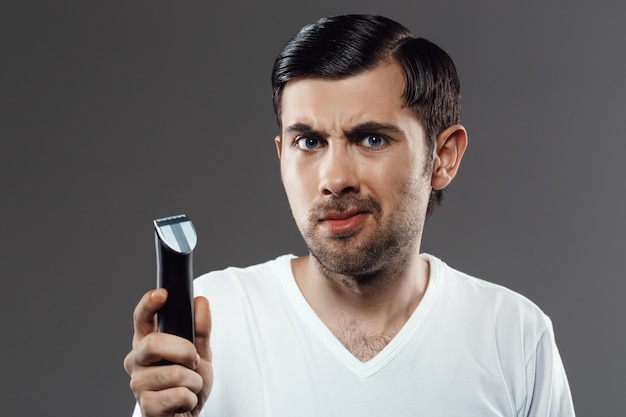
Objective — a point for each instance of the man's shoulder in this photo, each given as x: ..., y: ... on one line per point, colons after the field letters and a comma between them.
x: 479, y: 296
x: 270, y: 270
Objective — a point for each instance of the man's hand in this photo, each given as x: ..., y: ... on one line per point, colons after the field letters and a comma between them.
x: 177, y: 389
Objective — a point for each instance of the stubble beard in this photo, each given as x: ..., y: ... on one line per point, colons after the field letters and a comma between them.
x: 369, y: 259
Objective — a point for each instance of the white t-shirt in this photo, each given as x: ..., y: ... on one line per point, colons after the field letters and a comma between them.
x: 471, y: 348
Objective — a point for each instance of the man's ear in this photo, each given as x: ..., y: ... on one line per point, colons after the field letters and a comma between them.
x: 277, y: 141
x: 450, y: 147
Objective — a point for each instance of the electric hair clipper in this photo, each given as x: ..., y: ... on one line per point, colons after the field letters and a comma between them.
x: 175, y: 239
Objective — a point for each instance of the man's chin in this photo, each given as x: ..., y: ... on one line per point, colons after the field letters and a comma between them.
x: 345, y: 262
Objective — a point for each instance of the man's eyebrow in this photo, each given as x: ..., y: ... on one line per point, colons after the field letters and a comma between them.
x: 355, y: 132
x: 362, y: 129
x: 302, y: 129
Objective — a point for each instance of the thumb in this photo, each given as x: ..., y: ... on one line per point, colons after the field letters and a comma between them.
x: 144, y: 316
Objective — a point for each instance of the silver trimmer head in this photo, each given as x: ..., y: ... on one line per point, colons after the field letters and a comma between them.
x: 177, y: 233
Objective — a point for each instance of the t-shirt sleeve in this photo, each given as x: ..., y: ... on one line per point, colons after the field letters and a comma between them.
x: 547, y: 387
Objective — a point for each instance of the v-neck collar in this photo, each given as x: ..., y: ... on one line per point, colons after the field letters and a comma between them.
x: 389, y: 352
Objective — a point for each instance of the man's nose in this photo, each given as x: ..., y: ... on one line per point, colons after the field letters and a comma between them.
x: 338, y: 172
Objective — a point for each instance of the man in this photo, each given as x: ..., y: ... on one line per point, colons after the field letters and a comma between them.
x: 364, y: 325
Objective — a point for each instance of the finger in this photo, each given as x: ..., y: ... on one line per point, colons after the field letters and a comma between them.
x: 158, y: 378
x: 203, y: 332
x: 166, y: 402
x: 155, y: 348
x: 144, y: 317
x: 203, y: 327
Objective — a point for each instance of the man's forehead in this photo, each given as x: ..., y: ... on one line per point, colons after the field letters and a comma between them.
x: 370, y: 95
x: 388, y: 69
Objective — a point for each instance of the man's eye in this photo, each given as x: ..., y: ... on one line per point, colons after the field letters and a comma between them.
x: 373, y: 141
x: 307, y: 144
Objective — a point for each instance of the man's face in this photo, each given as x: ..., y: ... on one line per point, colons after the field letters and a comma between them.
x: 355, y: 169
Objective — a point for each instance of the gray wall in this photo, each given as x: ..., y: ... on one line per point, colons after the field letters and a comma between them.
x: 115, y: 113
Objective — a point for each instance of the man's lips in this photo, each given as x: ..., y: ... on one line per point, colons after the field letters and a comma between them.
x: 343, y: 222
x: 340, y: 215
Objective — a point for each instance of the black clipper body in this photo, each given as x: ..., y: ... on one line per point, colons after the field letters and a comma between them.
x: 175, y: 239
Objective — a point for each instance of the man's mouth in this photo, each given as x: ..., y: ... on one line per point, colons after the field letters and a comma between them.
x: 340, y: 215
x: 343, y: 222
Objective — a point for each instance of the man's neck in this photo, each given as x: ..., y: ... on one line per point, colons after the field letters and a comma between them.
x: 363, y: 312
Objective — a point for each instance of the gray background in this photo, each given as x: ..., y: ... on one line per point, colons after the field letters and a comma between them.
x: 118, y: 112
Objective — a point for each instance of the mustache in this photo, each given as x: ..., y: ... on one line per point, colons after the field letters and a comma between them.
x: 344, y: 203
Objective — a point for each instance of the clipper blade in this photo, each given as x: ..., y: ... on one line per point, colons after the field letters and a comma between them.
x: 177, y: 233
